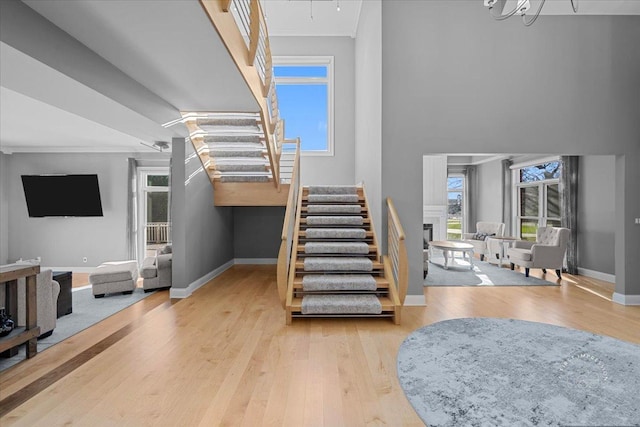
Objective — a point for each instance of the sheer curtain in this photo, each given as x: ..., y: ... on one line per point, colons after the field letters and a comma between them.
x: 132, y: 209
x: 470, y: 190
x: 507, y: 194
x: 569, y: 192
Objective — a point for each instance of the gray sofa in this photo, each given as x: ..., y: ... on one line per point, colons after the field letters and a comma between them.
x: 156, y: 270
x: 48, y: 291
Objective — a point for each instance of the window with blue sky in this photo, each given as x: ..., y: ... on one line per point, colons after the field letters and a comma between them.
x: 305, y: 92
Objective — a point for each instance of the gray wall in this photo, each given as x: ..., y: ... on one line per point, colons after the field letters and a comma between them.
x: 368, y: 107
x: 202, y: 233
x: 454, y: 80
x: 257, y: 231
x: 596, y: 213
x: 4, y: 209
x: 627, y: 244
x: 336, y: 169
x: 63, y: 242
x: 488, y: 198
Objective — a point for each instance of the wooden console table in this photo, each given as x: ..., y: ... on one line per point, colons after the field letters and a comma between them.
x: 9, y: 274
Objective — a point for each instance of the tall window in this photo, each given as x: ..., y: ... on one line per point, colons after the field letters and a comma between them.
x: 455, y: 199
x: 154, y: 209
x: 538, y: 197
x: 304, y: 86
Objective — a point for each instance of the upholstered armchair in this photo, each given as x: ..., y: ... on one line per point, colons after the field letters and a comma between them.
x: 484, y: 230
x: 47, y: 301
x: 156, y: 271
x: 546, y: 252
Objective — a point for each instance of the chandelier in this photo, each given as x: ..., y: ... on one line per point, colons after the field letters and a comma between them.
x: 521, y: 8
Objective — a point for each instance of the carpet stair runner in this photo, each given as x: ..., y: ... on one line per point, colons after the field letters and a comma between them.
x: 236, y: 147
x: 338, y: 269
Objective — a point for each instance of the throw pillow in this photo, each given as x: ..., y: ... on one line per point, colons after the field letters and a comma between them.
x: 482, y: 236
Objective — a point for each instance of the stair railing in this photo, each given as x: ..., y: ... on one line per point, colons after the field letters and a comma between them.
x: 289, y: 229
x: 252, y: 55
x: 397, y: 251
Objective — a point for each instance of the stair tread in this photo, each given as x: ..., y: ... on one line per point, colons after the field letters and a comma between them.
x: 372, y: 247
x: 387, y: 304
x: 376, y: 265
x: 303, y: 234
x: 381, y: 282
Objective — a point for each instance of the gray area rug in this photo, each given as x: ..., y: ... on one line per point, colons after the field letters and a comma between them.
x: 87, y: 311
x: 483, y: 371
x: 483, y: 274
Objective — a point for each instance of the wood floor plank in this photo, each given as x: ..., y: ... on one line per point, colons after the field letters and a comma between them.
x: 224, y: 356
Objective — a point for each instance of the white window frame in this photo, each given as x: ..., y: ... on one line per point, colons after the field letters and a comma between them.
x: 463, y: 210
x: 542, y: 195
x: 143, y: 188
x: 329, y: 81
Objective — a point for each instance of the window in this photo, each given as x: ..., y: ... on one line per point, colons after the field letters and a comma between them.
x: 455, y: 200
x: 538, y: 198
x: 304, y: 86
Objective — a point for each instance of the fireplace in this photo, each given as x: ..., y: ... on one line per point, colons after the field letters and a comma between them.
x: 427, y: 235
x: 436, y: 215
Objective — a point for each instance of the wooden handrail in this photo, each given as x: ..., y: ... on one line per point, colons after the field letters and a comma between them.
x: 294, y: 258
x: 395, y: 219
x: 292, y: 190
x: 254, y: 35
x: 397, y: 251
x: 289, y: 230
x: 372, y: 225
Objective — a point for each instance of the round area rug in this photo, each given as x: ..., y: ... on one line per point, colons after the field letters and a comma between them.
x: 483, y: 371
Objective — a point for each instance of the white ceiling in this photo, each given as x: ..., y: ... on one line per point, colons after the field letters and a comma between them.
x: 585, y: 7
x: 29, y: 125
x: 172, y: 50
x: 293, y: 17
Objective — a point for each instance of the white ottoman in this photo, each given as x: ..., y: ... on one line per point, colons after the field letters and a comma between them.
x: 114, y: 277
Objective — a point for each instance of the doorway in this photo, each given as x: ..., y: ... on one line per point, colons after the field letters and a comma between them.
x: 153, y: 210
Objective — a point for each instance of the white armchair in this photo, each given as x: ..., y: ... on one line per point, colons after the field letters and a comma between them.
x: 484, y: 230
x: 546, y: 252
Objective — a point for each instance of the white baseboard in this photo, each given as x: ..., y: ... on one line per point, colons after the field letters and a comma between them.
x: 626, y: 299
x: 73, y: 269
x: 415, y: 300
x: 597, y: 275
x: 186, y: 292
x: 255, y: 261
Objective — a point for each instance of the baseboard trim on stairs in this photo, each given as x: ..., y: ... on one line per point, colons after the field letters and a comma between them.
x: 415, y: 300
x: 258, y: 261
x: 611, y: 278
x: 626, y: 299
x: 180, y: 293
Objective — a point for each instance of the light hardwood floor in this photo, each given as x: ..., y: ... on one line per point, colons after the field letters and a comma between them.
x: 225, y: 357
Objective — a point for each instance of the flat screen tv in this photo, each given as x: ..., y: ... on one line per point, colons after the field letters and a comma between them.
x: 62, y: 195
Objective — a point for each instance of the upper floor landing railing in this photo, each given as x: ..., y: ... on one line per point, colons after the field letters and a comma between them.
x: 243, y: 29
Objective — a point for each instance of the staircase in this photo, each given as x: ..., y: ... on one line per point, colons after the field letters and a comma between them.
x: 336, y: 267
x: 233, y: 149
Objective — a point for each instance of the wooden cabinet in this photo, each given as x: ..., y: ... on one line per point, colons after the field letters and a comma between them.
x: 9, y: 275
